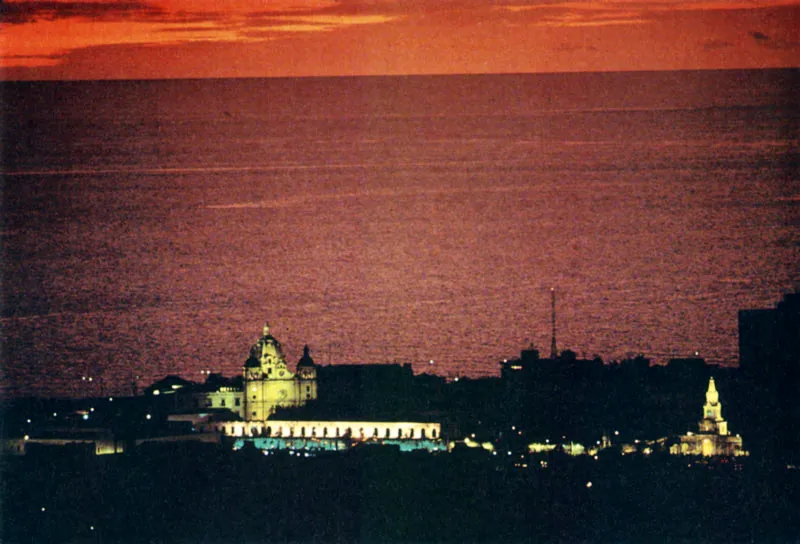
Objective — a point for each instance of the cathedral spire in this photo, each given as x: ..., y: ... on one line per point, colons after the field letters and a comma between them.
x: 712, y: 412
x: 712, y: 396
x: 266, y: 329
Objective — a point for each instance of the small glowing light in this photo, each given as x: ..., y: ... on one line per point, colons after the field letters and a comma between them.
x: 616, y: 433
x: 505, y: 360
x: 83, y: 378
x: 85, y: 417
x: 91, y: 409
x: 595, y: 458
x: 91, y: 527
x: 27, y: 437
x: 148, y: 416
x: 156, y: 392
x: 547, y: 441
x: 513, y: 428
x: 29, y: 421
x: 494, y: 453
x: 431, y: 361
x: 509, y: 453
x: 472, y: 435
x: 598, y: 442
x: 588, y: 484
x: 456, y: 379
x: 110, y: 399
x: 44, y: 509
x: 90, y: 378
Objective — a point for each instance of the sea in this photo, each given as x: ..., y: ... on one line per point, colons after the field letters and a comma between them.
x: 153, y: 227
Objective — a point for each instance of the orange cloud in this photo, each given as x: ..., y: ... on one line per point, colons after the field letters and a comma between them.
x: 42, y: 33
x: 76, y: 39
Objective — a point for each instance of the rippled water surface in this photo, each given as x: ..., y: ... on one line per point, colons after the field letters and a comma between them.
x: 153, y: 227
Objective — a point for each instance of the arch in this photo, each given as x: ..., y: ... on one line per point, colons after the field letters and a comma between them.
x: 303, y: 432
x: 388, y: 431
x: 399, y: 432
x: 268, y: 431
x: 324, y: 432
x: 433, y: 433
x: 375, y: 433
x: 253, y: 431
x: 422, y: 433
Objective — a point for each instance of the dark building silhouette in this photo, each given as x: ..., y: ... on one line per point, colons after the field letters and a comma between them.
x: 769, y: 359
x: 688, y: 369
x: 530, y: 365
x: 769, y: 340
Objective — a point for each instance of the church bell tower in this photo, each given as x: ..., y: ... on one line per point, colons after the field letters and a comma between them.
x: 712, y: 412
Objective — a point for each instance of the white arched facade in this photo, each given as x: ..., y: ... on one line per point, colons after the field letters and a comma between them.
x: 358, y: 431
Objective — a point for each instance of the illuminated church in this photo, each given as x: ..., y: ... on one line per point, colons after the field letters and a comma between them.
x: 268, y: 382
x: 713, y: 437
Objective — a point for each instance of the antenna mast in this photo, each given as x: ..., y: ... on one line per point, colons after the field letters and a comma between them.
x: 553, y: 349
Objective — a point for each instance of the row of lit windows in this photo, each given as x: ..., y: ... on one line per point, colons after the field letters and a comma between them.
x: 255, y: 431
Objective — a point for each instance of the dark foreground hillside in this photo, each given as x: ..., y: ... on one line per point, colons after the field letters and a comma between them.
x: 201, y: 493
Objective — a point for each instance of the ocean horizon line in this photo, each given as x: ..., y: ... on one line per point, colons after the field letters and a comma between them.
x: 3, y: 80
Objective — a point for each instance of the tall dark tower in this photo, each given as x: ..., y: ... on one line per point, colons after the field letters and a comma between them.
x: 553, y: 348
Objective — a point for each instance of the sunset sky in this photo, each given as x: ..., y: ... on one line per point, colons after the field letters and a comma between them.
x: 132, y: 39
